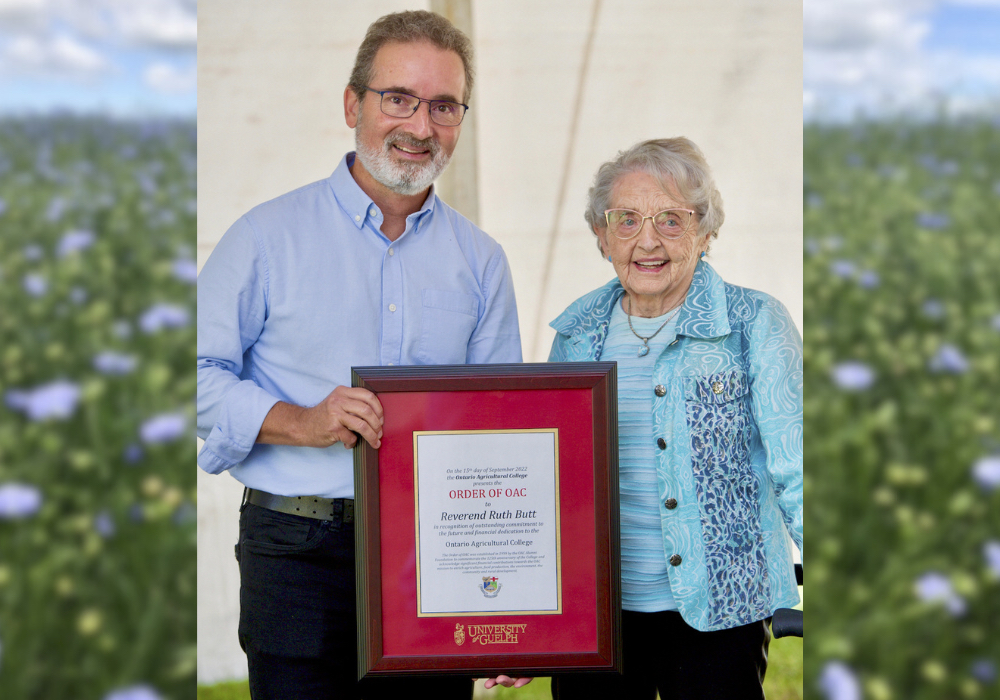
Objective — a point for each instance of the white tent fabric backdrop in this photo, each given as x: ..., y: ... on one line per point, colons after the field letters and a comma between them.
x: 561, y: 87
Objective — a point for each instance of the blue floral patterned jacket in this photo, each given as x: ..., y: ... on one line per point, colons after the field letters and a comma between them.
x: 731, y: 418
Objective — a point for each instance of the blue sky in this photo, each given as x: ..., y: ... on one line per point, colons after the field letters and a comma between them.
x: 888, y: 57
x: 138, y: 57
x: 121, y: 57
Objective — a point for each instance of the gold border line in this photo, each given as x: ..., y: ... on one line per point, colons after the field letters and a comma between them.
x: 416, y: 514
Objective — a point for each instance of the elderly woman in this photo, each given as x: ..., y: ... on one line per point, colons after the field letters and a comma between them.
x: 710, y: 434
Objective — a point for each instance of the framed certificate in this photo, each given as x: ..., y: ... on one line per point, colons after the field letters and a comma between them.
x: 487, y: 521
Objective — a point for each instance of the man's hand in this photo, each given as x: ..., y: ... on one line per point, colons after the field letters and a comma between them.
x: 507, y: 682
x: 343, y: 415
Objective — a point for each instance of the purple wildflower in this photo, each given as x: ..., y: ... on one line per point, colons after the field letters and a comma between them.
x: 3, y: 207
x: 186, y: 513
x: 853, y: 376
x: 186, y: 270
x: 949, y: 359
x: 933, y: 221
x: 19, y: 501
x: 843, y: 268
x: 122, y: 330
x: 57, y: 399
x: 814, y: 200
x: 33, y: 252
x: 78, y: 295
x: 74, y: 241
x: 986, y: 472
x: 868, y: 279
x: 35, y: 284
x: 161, y: 316
x: 995, y: 322
x: 948, y: 167
x: 933, y: 309
x: 838, y: 682
x: 165, y: 427
x: 934, y: 587
x: 133, y: 454
x: 136, y: 513
x: 56, y: 208
x: 104, y: 525
x: 813, y: 246
x: 134, y: 692
x: 991, y: 552
x: 984, y: 671
x: 114, y: 363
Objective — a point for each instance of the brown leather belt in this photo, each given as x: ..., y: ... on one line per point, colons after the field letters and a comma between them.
x: 338, y: 509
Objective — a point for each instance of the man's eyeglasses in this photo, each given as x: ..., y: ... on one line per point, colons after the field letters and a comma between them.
x: 669, y: 223
x: 403, y: 106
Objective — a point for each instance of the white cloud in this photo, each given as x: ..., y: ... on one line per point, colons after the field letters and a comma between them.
x: 165, y: 23
x: 57, y: 55
x: 169, y: 79
x: 868, y: 56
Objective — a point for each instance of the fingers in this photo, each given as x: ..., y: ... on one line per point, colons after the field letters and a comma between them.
x: 344, y: 415
x: 358, y: 411
x: 507, y: 682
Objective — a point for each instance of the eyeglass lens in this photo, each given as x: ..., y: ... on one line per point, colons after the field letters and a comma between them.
x: 399, y: 104
x: 671, y: 223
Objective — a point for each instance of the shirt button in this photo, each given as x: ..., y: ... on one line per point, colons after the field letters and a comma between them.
x: 670, y: 503
x: 358, y: 217
x: 392, y: 307
x: 661, y: 443
x: 717, y: 387
x: 390, y: 364
x: 392, y: 251
x: 660, y: 390
x: 675, y: 560
x: 373, y: 212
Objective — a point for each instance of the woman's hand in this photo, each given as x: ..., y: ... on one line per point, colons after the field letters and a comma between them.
x: 507, y: 682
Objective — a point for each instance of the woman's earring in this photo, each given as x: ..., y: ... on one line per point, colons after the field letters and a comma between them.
x: 609, y: 258
x: 703, y: 255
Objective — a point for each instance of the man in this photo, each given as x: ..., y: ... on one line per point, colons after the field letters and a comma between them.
x: 367, y: 267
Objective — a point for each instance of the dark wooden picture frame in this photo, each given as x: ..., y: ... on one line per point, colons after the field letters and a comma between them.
x: 577, y: 398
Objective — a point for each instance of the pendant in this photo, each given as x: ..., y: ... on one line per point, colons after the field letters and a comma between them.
x: 643, y: 351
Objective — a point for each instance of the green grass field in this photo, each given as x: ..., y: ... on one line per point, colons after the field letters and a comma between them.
x: 902, y: 427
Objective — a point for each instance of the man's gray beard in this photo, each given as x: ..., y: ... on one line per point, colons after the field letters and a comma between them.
x: 401, y: 178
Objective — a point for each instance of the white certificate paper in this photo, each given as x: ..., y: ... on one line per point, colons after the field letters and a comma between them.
x: 487, y: 512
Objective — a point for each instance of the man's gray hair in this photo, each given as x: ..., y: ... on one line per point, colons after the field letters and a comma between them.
x: 677, y: 164
x: 405, y: 27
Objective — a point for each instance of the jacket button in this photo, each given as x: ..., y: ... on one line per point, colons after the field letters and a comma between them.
x: 717, y: 387
x: 660, y: 390
x: 675, y: 559
x: 661, y: 443
x: 670, y: 503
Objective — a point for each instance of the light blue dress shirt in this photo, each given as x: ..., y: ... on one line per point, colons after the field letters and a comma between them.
x: 304, y: 287
x: 726, y: 398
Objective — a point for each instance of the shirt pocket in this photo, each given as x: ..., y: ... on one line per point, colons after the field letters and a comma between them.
x: 720, y: 421
x: 447, y: 320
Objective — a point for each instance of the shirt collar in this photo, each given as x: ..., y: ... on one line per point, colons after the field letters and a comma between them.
x: 358, y: 205
x: 704, y: 313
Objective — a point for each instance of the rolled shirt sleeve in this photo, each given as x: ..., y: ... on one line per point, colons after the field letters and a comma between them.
x: 232, y: 302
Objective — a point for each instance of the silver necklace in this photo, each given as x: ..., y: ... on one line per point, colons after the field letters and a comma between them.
x: 644, y: 350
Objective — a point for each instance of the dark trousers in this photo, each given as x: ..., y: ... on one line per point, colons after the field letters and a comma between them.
x: 663, y: 653
x: 297, y: 613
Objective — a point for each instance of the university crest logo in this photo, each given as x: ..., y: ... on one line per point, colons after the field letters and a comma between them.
x: 491, y: 586
x: 459, y: 634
